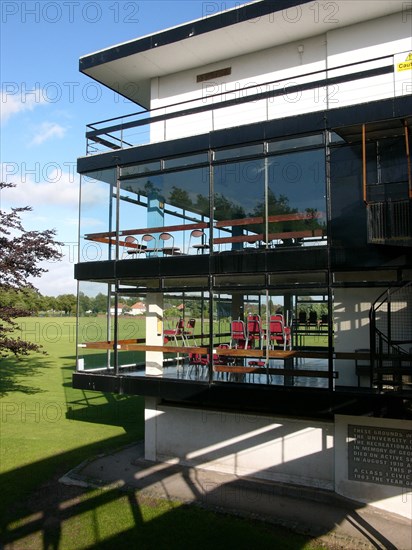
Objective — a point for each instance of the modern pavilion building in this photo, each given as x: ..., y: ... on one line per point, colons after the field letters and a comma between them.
x: 258, y: 205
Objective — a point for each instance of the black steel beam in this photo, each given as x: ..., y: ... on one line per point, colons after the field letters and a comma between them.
x: 254, y: 398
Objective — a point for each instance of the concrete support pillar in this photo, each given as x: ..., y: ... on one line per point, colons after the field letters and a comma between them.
x: 150, y: 426
x: 154, y: 334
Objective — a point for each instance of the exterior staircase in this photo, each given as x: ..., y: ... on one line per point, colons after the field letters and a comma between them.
x: 391, y: 339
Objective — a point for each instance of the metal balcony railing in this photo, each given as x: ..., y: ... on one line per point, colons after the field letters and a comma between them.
x: 244, y: 104
x: 390, y: 222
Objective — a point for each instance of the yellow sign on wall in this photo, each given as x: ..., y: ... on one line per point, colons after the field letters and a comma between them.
x: 405, y: 65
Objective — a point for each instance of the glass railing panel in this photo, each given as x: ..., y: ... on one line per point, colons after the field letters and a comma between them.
x: 97, y: 216
x: 95, y: 323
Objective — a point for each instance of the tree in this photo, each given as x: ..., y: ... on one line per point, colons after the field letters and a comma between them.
x: 99, y: 303
x: 85, y: 303
x: 21, y: 254
x: 66, y: 303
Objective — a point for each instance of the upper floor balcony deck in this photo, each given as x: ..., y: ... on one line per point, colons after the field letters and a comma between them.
x: 217, y: 107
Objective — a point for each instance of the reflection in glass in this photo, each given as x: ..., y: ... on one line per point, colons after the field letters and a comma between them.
x: 296, y: 197
x: 239, y: 194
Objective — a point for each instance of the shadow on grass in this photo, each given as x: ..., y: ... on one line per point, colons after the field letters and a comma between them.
x: 147, y: 515
x: 101, y: 408
x: 17, y: 374
x: 53, y: 516
x: 124, y: 510
x: 37, y: 511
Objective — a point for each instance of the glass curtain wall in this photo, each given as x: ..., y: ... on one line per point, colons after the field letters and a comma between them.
x: 96, y: 321
x: 245, y: 199
x: 277, y: 197
x: 97, y: 216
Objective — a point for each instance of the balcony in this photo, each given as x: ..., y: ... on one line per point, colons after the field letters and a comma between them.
x: 240, y: 104
x: 390, y: 223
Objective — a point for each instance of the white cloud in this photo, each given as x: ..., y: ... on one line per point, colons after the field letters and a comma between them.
x: 55, y: 205
x: 59, y: 278
x: 46, y: 131
x: 13, y: 104
x: 61, y: 188
x: 91, y: 222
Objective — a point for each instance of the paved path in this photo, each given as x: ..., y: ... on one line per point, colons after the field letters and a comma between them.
x: 340, y: 522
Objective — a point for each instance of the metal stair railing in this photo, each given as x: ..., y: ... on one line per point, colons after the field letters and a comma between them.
x: 391, y: 362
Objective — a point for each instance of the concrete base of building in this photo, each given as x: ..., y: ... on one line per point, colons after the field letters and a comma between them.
x: 361, y: 458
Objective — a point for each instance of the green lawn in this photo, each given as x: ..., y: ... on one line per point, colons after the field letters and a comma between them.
x: 47, y: 428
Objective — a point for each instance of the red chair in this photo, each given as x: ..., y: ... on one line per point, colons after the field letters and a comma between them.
x: 175, y: 332
x: 254, y: 330
x: 257, y: 363
x: 278, y: 317
x: 219, y: 359
x: 190, y: 330
x: 198, y: 364
x: 238, y: 336
x: 278, y: 333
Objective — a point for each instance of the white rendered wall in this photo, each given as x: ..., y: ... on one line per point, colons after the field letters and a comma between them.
x: 285, y: 450
x: 382, y: 37
x: 351, y: 325
x: 288, y: 65
x: 297, y: 451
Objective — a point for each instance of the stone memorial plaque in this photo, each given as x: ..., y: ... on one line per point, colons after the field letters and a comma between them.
x: 380, y: 455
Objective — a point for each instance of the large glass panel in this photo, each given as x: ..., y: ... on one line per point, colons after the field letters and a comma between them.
x: 391, y: 170
x: 185, y: 335
x: 239, y: 204
x: 245, y: 281
x: 200, y: 158
x: 97, y: 215
x: 348, y: 211
x: 238, y: 336
x: 132, y: 211
x: 254, y: 333
x: 295, y: 143
x: 186, y: 283
x: 143, y: 168
x: 130, y: 331
x: 297, y: 198
x: 393, y: 160
x: 169, y: 200
x: 95, y: 327
x: 310, y: 319
x: 234, y: 152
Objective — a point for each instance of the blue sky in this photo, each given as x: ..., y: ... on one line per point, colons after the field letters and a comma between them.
x: 46, y: 103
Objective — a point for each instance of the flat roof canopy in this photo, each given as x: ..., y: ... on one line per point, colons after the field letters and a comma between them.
x: 252, y: 27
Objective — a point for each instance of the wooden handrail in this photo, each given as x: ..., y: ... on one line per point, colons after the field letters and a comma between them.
x: 295, y: 216
x: 106, y: 237
x: 133, y: 345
